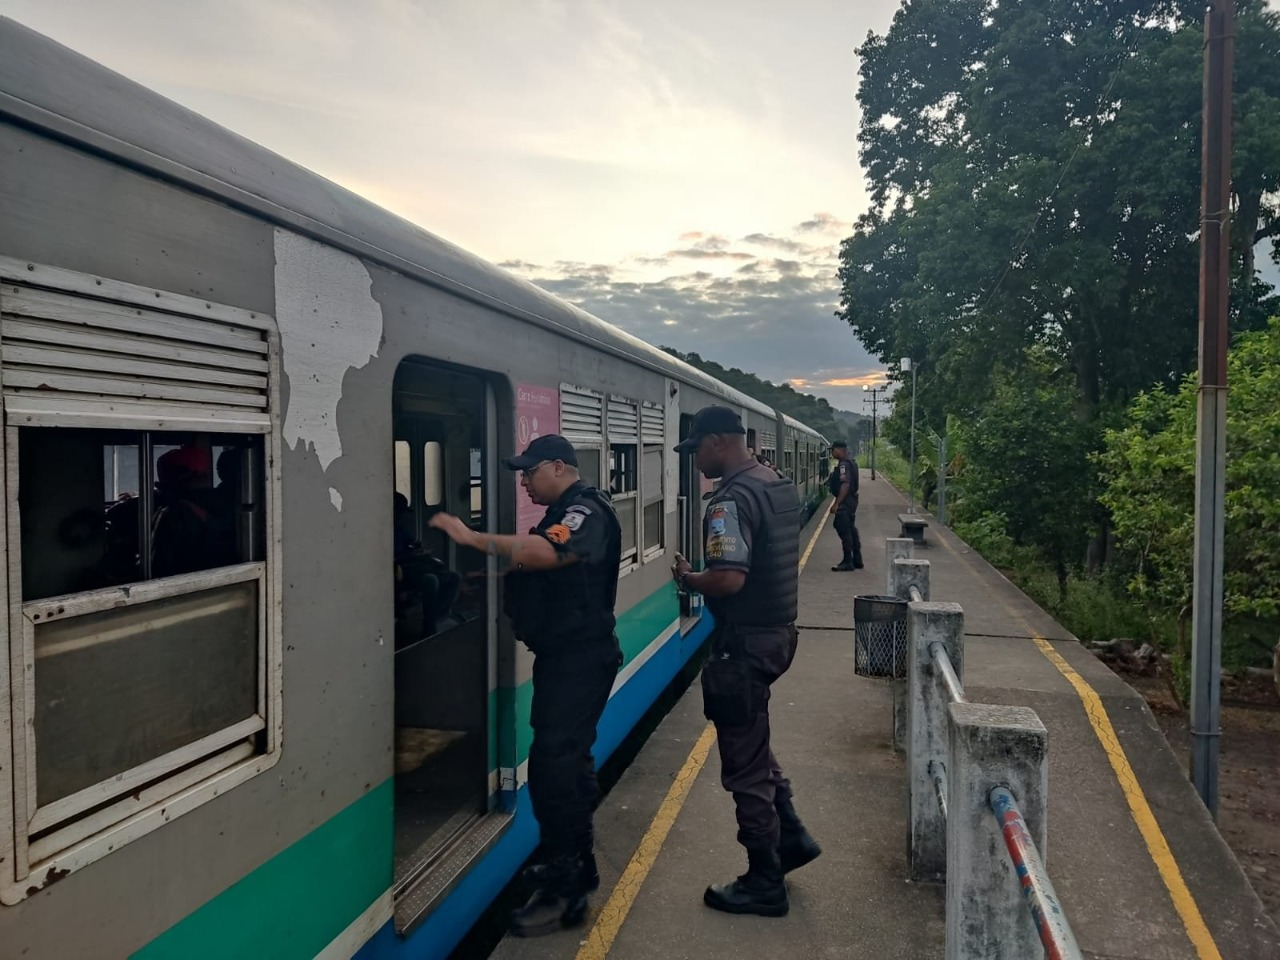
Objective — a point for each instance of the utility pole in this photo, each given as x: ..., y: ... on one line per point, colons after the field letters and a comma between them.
x: 907, y: 364
x: 875, y: 399
x: 1211, y: 406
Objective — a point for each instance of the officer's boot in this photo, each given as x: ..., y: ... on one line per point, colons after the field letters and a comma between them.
x: 560, y: 901
x: 796, y: 847
x: 760, y: 890
x: 535, y: 875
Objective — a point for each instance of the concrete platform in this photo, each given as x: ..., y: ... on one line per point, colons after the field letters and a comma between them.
x: 1116, y: 811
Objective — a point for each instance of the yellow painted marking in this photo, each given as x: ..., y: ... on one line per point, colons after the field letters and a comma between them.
x: 1158, y: 847
x: 813, y: 541
x: 607, y: 925
x: 605, y: 930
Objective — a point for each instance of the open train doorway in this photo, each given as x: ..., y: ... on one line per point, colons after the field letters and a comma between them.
x: 444, y: 457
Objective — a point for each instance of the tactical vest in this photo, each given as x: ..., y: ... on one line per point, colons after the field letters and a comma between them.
x: 552, y: 609
x: 770, y: 597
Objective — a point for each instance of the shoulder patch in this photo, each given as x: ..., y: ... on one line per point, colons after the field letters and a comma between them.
x: 558, y: 533
x: 573, y: 519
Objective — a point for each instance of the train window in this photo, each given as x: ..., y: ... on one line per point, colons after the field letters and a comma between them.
x: 139, y: 524
x: 582, y: 424
x: 589, y: 464
x: 477, y: 486
x: 653, y: 436
x: 432, y: 473
x: 623, y: 426
x: 652, y: 482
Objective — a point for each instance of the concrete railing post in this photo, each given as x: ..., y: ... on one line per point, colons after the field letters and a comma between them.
x: 992, y: 746
x: 927, y: 701
x: 903, y: 575
x: 895, y: 548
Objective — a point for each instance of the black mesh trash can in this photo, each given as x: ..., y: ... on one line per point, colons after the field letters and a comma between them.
x: 879, y: 636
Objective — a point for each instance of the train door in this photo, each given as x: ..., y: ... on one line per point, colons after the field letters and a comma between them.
x: 444, y: 454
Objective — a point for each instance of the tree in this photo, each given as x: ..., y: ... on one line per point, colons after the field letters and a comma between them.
x: 1148, y: 468
x: 1027, y: 460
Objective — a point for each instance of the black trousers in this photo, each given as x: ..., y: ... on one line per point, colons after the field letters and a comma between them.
x: 748, y: 768
x: 847, y: 529
x: 570, y: 690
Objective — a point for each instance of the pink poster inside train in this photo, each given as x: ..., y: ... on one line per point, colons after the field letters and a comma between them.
x: 537, y: 414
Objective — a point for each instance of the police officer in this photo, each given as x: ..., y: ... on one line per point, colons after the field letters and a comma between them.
x: 560, y: 594
x: 751, y: 531
x: 843, y: 485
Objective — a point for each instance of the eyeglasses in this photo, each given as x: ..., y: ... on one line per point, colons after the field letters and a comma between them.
x: 528, y: 474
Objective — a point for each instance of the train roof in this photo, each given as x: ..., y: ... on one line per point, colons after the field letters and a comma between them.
x: 48, y: 86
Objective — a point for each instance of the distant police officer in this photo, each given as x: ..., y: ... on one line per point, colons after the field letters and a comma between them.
x: 752, y: 546
x: 843, y: 485
x: 560, y: 595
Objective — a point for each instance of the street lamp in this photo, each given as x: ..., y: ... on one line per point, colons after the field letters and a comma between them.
x: 906, y: 365
x: 875, y: 399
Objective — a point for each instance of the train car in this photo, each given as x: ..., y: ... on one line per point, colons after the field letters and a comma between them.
x: 236, y: 718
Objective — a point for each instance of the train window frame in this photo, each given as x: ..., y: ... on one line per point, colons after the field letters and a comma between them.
x: 653, y: 440
x: 622, y: 428
x: 40, y: 845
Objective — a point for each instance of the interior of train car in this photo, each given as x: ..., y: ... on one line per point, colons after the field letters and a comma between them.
x: 443, y: 439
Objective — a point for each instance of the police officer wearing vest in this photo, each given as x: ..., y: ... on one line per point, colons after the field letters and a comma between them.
x: 560, y: 595
x: 843, y: 484
x: 751, y: 531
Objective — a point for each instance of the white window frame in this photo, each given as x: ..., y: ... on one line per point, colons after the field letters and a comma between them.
x: 590, y: 438
x: 653, y: 422
x: 228, y: 760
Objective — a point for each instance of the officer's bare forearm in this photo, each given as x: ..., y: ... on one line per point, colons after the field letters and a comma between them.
x: 523, y: 550
x: 717, y: 583
x: 843, y: 495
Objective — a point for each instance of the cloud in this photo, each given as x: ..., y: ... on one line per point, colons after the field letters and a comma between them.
x: 781, y: 243
x: 823, y: 223
x: 772, y: 316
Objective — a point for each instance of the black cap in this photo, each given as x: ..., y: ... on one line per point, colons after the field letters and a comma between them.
x: 542, y: 449
x: 707, y: 421
x: 839, y: 445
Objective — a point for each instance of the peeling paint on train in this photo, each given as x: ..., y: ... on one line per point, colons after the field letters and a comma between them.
x: 329, y: 324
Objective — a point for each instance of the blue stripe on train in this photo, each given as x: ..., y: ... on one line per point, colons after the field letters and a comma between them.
x: 449, y: 923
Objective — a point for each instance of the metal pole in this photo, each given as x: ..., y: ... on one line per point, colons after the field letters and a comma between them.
x: 1211, y: 423
x: 912, y: 482
x: 942, y: 480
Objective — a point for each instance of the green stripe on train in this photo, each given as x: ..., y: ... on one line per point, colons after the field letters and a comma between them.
x: 292, y: 906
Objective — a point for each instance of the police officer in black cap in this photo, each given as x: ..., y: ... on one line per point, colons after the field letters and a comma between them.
x: 843, y: 484
x: 560, y: 595
x: 752, y: 546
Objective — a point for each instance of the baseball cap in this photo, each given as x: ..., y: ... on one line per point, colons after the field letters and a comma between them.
x: 542, y: 449
x: 707, y: 421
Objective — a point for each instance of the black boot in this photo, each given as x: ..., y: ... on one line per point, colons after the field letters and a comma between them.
x: 560, y: 901
x: 760, y: 890
x: 845, y: 565
x: 796, y: 847
x: 535, y: 875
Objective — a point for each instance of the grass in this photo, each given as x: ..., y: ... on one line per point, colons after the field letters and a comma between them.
x: 891, y: 463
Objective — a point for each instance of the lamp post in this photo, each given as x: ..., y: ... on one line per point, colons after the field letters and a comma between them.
x: 906, y: 365
x: 875, y: 399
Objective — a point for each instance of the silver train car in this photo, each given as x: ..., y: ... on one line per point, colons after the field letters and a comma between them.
x: 250, y: 704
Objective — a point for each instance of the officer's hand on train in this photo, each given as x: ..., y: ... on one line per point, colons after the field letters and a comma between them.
x: 453, y: 528
x: 680, y: 568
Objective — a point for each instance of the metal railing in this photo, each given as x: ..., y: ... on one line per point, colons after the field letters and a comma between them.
x: 967, y: 762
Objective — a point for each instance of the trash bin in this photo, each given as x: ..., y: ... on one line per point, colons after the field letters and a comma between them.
x: 879, y: 636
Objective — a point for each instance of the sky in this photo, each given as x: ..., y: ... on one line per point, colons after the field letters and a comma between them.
x: 684, y: 170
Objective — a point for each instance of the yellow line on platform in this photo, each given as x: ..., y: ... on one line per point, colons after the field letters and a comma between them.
x: 599, y: 941
x: 1157, y: 845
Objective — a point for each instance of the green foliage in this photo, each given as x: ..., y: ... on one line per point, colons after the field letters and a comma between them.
x: 1148, y: 465
x: 1027, y: 461
x: 816, y: 412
